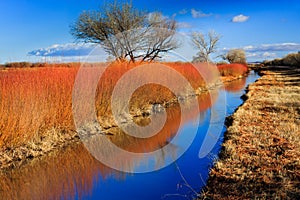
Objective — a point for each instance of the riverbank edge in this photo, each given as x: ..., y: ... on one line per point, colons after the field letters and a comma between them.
x: 56, y: 139
x: 260, y: 153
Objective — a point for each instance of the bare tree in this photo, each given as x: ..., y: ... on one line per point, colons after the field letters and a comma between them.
x: 236, y: 56
x: 159, y: 37
x: 127, y: 33
x: 205, y: 44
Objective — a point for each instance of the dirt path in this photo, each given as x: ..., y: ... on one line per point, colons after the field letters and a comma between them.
x: 260, y: 158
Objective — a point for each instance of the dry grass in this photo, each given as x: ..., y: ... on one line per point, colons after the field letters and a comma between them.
x: 291, y: 59
x: 234, y: 69
x: 64, y: 172
x: 33, y: 101
x: 36, y: 103
x: 260, y: 156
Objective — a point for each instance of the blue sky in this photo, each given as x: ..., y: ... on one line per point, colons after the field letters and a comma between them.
x: 265, y: 29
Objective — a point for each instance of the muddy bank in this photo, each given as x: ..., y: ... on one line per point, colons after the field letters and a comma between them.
x: 261, y: 149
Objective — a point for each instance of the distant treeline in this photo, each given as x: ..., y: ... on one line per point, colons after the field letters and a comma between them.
x: 292, y: 59
x: 29, y: 65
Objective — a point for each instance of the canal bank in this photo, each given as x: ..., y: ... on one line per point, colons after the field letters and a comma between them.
x: 73, y: 173
x: 261, y: 149
x: 57, y: 138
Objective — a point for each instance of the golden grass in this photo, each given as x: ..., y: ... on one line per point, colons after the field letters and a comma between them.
x: 36, y: 103
x: 233, y: 69
x: 260, y: 156
x: 33, y: 101
x: 64, y: 172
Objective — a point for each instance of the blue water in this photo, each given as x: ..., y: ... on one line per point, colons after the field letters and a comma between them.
x: 179, y: 180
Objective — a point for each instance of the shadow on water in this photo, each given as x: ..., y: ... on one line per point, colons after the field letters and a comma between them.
x: 73, y: 173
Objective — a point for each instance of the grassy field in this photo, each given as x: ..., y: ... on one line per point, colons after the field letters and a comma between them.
x: 261, y: 151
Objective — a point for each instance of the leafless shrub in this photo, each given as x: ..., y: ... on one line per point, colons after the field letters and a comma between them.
x: 236, y: 56
x: 205, y: 44
x: 127, y: 33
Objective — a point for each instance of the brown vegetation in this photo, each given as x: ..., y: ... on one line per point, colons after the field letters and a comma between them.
x: 233, y: 69
x: 64, y: 172
x: 260, y: 155
x: 236, y: 56
x: 292, y: 59
x: 36, y: 104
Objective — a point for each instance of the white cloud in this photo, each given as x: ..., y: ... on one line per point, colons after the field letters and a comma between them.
x: 249, y: 55
x: 70, y: 52
x: 267, y: 51
x: 240, y: 18
x: 269, y: 47
x: 151, y: 14
x: 184, y: 25
x: 248, y: 47
x: 64, y: 50
x: 261, y: 55
x: 274, y: 47
x: 199, y: 14
x: 182, y: 12
x: 268, y: 54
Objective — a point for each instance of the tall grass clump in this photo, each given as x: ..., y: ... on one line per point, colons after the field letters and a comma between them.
x: 36, y: 102
x: 33, y: 101
x: 233, y: 69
